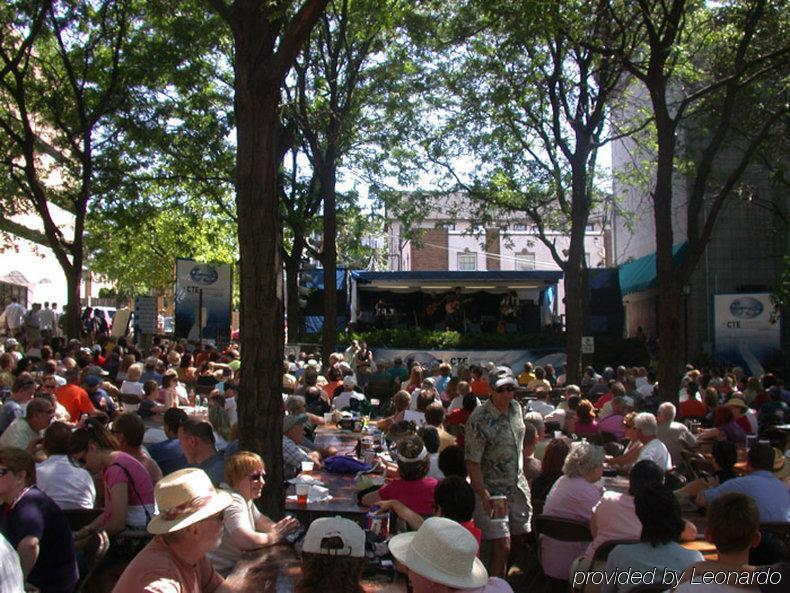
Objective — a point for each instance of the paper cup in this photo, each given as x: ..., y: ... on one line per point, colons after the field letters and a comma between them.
x: 375, y: 402
x: 307, y: 466
x: 328, y: 418
x: 557, y: 434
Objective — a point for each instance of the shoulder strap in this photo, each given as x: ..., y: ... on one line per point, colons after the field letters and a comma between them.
x: 134, y: 488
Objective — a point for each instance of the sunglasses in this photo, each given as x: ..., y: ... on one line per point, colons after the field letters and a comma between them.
x: 505, y: 388
x: 4, y: 471
x: 256, y: 477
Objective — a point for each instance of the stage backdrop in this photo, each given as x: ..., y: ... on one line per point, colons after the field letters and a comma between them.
x: 744, y: 332
x: 515, y: 359
x: 216, y: 284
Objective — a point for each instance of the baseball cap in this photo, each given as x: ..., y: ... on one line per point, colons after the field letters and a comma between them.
x: 319, y: 538
x: 504, y: 380
x: 91, y: 380
x: 292, y: 420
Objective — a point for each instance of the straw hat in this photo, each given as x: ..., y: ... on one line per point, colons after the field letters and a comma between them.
x: 736, y: 402
x: 442, y: 551
x: 184, y: 498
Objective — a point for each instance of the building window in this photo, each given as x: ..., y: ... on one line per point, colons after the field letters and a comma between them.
x: 519, y: 227
x: 449, y: 226
x: 467, y: 262
x: 525, y: 261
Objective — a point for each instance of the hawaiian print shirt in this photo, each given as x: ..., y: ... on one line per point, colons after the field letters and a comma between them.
x: 496, y: 441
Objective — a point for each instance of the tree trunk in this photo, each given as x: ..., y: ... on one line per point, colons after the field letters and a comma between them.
x: 292, y: 266
x: 329, y: 261
x: 670, y: 347
x: 576, y: 286
x: 260, y: 403
x: 72, y: 310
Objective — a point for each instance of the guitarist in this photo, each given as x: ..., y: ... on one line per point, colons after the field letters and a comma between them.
x: 452, y: 310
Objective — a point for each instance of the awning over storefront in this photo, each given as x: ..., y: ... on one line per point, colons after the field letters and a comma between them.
x: 640, y: 275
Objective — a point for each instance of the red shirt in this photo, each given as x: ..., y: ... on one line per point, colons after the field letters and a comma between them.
x: 472, y: 528
x: 692, y: 407
x: 459, y: 416
x: 479, y: 387
x: 76, y: 401
x: 604, y: 399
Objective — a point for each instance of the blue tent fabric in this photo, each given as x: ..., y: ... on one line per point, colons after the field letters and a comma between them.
x: 640, y: 275
x: 316, y: 281
x: 363, y: 276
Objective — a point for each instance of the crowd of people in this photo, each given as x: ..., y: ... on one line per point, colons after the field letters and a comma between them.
x: 102, y: 425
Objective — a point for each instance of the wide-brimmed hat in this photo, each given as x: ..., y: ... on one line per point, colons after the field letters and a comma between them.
x: 348, y: 532
x: 736, y: 402
x: 184, y: 498
x: 442, y: 551
x: 781, y: 467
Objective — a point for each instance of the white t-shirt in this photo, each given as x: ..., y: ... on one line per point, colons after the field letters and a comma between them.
x: 14, y: 314
x: 69, y: 486
x: 656, y: 451
x: 343, y: 399
x: 11, y: 580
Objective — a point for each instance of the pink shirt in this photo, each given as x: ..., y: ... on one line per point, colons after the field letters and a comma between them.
x: 615, y: 518
x: 584, y: 429
x: 415, y: 494
x: 157, y: 569
x: 142, y: 486
x: 569, y: 498
x: 613, y: 424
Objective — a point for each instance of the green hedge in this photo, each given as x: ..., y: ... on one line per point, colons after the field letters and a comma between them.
x: 609, y: 350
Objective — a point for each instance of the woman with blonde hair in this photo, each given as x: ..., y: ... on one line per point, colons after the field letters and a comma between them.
x: 245, y: 528
x: 415, y: 379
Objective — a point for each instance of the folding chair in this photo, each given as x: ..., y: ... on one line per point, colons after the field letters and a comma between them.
x: 92, y: 555
x: 598, y: 562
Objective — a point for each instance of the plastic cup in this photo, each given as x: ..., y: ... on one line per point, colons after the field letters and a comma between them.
x: 375, y: 402
x: 499, y: 508
x: 328, y: 418
x: 557, y: 434
x: 301, y: 493
x: 307, y: 466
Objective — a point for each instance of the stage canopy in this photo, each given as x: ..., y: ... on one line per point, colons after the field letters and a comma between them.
x: 441, y: 281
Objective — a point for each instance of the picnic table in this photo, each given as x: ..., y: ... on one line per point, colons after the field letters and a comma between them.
x: 342, y: 487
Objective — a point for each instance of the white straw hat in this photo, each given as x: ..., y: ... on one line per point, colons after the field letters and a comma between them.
x: 184, y: 498
x: 442, y: 551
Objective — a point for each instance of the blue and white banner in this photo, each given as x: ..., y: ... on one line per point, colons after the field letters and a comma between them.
x: 515, y: 359
x: 746, y: 330
x: 212, y: 283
